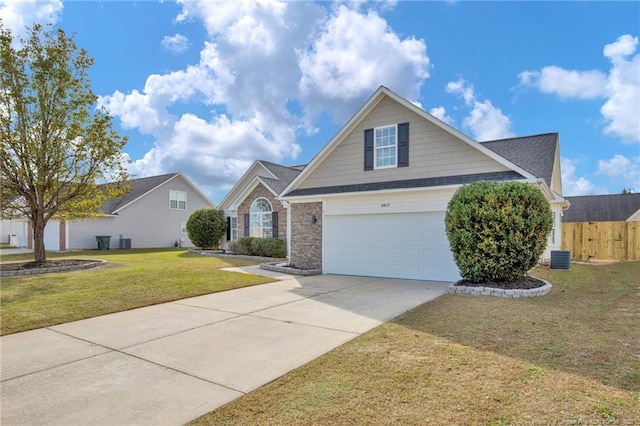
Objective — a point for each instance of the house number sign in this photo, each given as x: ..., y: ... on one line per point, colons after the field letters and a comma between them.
x: 385, y: 205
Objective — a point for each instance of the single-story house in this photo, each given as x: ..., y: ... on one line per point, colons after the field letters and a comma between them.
x: 152, y: 214
x: 252, y: 207
x: 603, y: 208
x: 372, y: 202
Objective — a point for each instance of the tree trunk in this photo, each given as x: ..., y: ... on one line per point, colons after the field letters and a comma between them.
x: 38, y: 224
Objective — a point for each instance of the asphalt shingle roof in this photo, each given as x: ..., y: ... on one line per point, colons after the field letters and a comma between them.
x: 601, y: 208
x: 535, y: 154
x: 284, y: 175
x: 412, y: 183
x: 138, y: 187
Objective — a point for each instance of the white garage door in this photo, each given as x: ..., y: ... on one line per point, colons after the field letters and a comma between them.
x: 402, y: 245
x: 52, y: 236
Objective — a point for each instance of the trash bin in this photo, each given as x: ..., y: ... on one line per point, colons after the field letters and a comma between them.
x: 103, y: 241
x: 560, y: 259
x: 125, y: 243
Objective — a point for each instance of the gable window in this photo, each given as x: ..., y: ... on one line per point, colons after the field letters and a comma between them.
x: 385, y: 142
x: 386, y: 147
x: 260, y: 218
x: 177, y: 200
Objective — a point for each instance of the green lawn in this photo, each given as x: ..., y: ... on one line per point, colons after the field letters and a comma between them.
x: 131, y: 279
x: 570, y: 357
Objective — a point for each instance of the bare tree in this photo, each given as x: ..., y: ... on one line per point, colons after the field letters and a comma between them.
x: 57, y: 149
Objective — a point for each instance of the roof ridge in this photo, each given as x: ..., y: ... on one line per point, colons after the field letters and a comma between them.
x: 522, y: 137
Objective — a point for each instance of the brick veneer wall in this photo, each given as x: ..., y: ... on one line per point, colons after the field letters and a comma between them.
x: 261, y: 191
x: 306, y: 237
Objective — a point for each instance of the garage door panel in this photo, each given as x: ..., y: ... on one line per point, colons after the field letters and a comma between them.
x: 405, y: 245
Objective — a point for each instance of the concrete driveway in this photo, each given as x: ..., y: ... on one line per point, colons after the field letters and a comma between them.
x: 168, y: 364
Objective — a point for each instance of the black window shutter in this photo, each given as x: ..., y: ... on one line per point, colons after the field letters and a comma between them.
x: 368, y: 149
x: 228, y: 229
x: 274, y: 224
x: 403, y: 145
x: 246, y: 225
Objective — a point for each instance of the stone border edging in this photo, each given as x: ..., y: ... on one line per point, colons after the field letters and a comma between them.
x: 501, y: 292
x: 92, y: 263
x: 220, y: 253
x: 274, y: 267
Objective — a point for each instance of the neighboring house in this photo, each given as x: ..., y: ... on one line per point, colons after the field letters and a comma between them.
x: 152, y: 214
x: 372, y: 202
x: 603, y: 208
x: 251, y: 206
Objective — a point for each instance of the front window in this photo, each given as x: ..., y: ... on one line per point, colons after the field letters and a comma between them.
x: 234, y: 229
x: 183, y: 228
x: 177, y: 200
x: 552, y: 235
x: 260, y: 219
x: 385, y: 147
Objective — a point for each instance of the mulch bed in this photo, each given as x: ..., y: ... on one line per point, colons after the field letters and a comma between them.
x: 526, y: 283
x: 27, y: 266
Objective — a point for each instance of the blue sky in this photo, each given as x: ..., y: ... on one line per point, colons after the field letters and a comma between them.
x: 206, y: 88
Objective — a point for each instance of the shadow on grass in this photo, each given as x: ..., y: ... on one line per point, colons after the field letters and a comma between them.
x: 588, y: 325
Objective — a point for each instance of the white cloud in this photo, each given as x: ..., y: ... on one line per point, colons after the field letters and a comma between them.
x: 17, y: 15
x: 441, y: 114
x: 622, y: 108
x: 355, y: 54
x: 624, y: 170
x: 573, y: 185
x: 485, y: 121
x: 567, y: 83
x: 260, y: 58
x: 176, y: 43
x: 620, y: 86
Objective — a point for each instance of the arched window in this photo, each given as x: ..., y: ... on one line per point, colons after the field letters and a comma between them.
x: 260, y: 218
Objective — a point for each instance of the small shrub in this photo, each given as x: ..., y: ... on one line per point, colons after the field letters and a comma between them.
x: 269, y: 247
x: 265, y: 247
x: 497, y: 231
x: 233, y: 247
x: 245, y: 246
x: 205, y: 227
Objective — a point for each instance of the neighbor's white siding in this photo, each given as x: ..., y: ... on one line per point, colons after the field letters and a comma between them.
x: 432, y: 153
x: 17, y: 227
x: 148, y: 222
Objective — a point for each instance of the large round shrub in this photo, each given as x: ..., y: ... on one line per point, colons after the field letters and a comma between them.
x: 497, y: 230
x: 206, y: 226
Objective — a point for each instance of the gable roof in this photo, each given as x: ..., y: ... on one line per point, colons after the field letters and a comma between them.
x: 140, y: 187
x: 535, y: 154
x: 373, y: 100
x: 602, y: 208
x: 284, y: 175
x: 275, y: 177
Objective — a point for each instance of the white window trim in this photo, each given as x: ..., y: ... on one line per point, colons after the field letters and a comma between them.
x: 375, y: 148
x: 183, y: 228
x: 176, y: 196
x: 265, y: 231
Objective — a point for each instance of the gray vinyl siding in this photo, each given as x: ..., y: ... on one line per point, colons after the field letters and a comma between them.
x: 148, y: 222
x: 433, y: 152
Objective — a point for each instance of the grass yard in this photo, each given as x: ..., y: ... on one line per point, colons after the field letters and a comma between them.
x: 570, y: 357
x: 131, y: 279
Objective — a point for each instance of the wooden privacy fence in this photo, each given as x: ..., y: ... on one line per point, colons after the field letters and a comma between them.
x: 602, y: 240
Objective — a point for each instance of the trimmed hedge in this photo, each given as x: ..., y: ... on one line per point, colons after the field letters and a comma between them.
x: 205, y: 227
x: 265, y: 247
x: 497, y: 230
